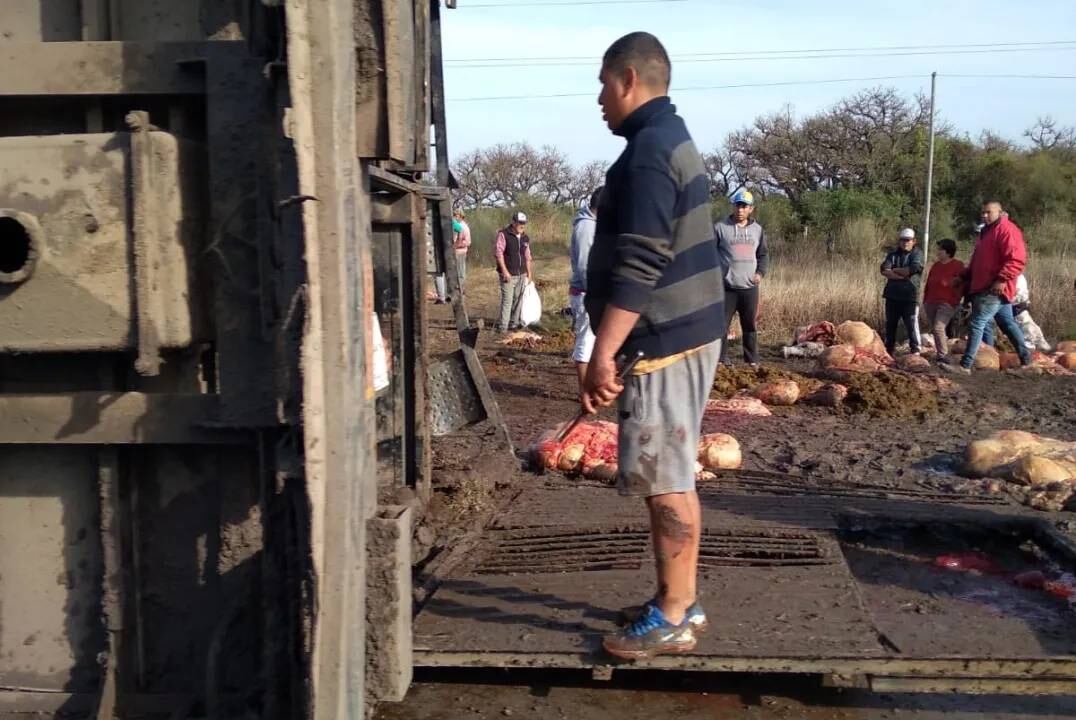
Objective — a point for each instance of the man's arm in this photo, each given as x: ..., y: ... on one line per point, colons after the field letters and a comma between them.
x: 762, y: 257
x: 498, y: 253
x: 886, y: 268
x: 1013, y: 256
x: 527, y: 260
x: 643, y: 249
x: 617, y: 324
x: 915, y: 263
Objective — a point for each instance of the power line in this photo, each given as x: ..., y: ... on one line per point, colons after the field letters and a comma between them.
x: 743, y: 53
x: 819, y: 56
x: 1015, y: 77
x: 568, y: 3
x: 594, y: 93
x: 824, y: 81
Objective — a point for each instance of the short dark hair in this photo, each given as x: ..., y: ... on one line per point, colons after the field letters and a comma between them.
x: 646, y: 54
x: 596, y: 196
x: 948, y: 246
x: 993, y: 201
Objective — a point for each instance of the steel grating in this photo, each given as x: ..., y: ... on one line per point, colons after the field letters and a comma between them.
x: 534, y: 552
x: 454, y: 398
x: 545, y: 583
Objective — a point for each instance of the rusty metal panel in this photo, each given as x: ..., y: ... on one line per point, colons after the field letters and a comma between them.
x: 158, y: 20
x: 68, y: 202
x: 114, y: 418
x: 100, y: 68
x: 51, y: 564
x: 40, y: 20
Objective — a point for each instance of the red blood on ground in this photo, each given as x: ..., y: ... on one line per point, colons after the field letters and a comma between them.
x: 968, y: 561
x: 1059, y: 589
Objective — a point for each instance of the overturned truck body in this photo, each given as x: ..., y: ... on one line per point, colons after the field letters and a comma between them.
x: 206, y: 209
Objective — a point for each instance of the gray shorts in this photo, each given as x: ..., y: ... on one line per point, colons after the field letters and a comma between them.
x: 660, y: 415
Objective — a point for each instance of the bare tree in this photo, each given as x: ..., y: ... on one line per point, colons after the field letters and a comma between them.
x: 586, y: 180
x: 1046, y: 134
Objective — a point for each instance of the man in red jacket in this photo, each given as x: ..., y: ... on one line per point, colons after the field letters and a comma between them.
x: 990, y: 284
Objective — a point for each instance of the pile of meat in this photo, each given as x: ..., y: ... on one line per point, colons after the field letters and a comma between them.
x: 987, y: 358
x: 851, y: 346
x: 1043, y: 468
x: 590, y: 448
x: 521, y: 339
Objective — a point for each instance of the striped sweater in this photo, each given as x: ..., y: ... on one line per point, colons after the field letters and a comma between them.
x: 654, y: 250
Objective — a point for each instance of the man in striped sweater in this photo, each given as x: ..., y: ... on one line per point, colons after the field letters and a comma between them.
x: 654, y: 287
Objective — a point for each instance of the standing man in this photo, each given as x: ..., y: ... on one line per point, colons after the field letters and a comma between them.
x: 742, y: 244
x: 461, y: 241
x: 902, y: 269
x: 512, y: 249
x: 586, y: 221
x: 654, y: 287
x: 990, y: 278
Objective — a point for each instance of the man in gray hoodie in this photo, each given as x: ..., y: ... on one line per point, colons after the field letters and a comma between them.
x: 582, y: 239
x: 742, y: 244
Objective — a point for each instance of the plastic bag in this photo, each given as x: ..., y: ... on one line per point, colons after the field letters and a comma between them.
x: 530, y: 306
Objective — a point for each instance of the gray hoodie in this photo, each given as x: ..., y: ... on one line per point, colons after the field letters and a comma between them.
x: 743, y: 252
x: 582, y: 238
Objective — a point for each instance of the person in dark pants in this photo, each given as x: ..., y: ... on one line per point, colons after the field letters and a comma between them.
x: 742, y: 244
x: 990, y: 278
x: 903, y: 269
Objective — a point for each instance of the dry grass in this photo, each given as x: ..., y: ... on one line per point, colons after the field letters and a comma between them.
x: 804, y: 287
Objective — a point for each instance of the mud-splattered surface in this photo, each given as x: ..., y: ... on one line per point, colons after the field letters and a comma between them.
x: 928, y: 587
x: 894, y: 433
x: 452, y: 695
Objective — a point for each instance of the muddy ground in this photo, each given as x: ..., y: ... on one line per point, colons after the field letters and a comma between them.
x: 915, y: 441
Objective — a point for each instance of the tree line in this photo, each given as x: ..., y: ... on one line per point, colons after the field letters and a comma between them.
x: 865, y: 156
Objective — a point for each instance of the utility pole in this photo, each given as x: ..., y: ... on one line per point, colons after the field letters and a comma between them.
x: 930, y: 171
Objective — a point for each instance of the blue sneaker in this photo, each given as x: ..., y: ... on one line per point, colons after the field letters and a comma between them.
x: 650, y: 635
x: 694, y: 615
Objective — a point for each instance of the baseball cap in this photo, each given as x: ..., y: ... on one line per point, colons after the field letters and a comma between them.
x: 520, y: 217
x: 743, y: 197
x: 907, y: 234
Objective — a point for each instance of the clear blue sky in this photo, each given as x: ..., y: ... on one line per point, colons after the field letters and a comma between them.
x: 574, y: 124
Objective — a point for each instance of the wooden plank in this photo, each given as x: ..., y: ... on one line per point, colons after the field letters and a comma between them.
x: 101, y: 68
x: 124, y: 418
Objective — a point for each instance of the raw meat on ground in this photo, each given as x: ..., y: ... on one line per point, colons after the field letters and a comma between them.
x: 1046, y: 465
x: 820, y: 332
x: 778, y: 392
x: 590, y: 449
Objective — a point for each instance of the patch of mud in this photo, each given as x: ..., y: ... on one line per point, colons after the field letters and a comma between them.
x: 889, y: 394
x: 731, y: 380
x: 927, y: 585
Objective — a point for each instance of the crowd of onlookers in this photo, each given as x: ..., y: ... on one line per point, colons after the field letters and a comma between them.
x: 957, y: 298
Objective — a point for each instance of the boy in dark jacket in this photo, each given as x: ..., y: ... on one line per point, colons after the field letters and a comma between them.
x: 902, y: 269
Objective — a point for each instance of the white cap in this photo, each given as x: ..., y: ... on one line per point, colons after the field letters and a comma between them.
x: 519, y: 217
x: 907, y: 234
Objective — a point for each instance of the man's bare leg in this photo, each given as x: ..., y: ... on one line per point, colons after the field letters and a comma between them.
x: 675, y: 528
